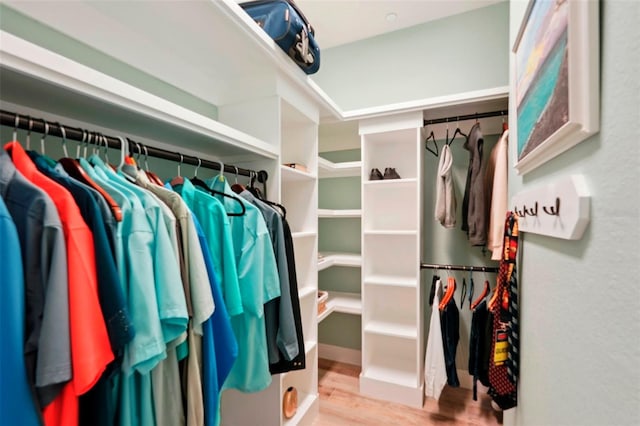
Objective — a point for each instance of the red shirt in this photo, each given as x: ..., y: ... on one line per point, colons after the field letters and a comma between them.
x: 90, y: 348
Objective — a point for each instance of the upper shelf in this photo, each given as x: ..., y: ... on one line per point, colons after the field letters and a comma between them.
x: 328, y: 169
x: 293, y: 175
x: 217, y: 52
x: 37, y: 78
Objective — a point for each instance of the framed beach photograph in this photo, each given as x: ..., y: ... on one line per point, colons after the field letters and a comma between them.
x: 556, y: 81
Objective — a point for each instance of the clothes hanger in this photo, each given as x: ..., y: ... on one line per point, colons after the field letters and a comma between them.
x: 73, y: 168
x: 431, y: 137
x: 201, y: 184
x: 451, y: 288
x: 152, y: 176
x: 236, y: 187
x: 196, y: 181
x: 178, y: 180
x: 483, y: 295
x: 455, y: 133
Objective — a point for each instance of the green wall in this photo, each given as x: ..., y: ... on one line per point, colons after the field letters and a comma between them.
x: 341, y: 235
x: 33, y: 31
x: 579, y: 300
x: 456, y: 54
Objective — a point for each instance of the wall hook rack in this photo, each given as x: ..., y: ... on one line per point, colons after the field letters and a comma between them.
x: 570, y: 223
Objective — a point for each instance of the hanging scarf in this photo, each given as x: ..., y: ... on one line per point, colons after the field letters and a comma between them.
x: 504, y: 359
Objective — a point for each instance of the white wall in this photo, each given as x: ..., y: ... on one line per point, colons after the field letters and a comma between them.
x: 580, y: 300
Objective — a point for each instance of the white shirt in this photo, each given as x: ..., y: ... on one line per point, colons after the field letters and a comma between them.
x: 435, y: 372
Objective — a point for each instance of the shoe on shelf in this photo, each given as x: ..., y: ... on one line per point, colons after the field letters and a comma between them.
x: 375, y: 175
x: 390, y: 173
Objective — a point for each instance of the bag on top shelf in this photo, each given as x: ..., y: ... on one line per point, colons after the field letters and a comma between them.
x: 285, y: 23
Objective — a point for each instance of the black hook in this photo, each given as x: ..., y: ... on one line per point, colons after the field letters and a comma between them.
x: 553, y: 211
x: 533, y: 211
x: 520, y: 213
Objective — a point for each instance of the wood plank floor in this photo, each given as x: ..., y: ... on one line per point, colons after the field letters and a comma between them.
x: 341, y: 404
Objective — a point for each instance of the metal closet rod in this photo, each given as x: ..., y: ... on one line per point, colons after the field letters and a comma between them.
x: 476, y: 116
x: 37, y: 125
x: 458, y: 267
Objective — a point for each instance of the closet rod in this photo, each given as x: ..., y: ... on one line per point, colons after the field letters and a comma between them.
x: 458, y: 267
x: 38, y: 125
x: 474, y: 116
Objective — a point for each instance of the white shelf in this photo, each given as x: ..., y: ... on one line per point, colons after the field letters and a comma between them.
x: 220, y: 77
x: 25, y: 64
x: 303, y: 234
x: 391, y: 232
x: 346, y: 303
x: 389, y: 182
x: 339, y: 259
x: 390, y: 329
x: 328, y: 169
x: 324, y: 213
x: 390, y: 280
x: 295, y: 175
x: 390, y: 375
x: 309, y: 346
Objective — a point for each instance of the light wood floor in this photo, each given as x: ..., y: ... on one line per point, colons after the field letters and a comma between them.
x: 341, y: 404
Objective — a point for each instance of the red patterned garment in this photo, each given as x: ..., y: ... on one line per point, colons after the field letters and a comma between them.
x: 504, y: 355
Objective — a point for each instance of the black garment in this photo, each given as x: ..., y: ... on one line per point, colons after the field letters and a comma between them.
x: 478, y: 342
x: 450, y: 323
x: 299, y: 362
x: 432, y: 292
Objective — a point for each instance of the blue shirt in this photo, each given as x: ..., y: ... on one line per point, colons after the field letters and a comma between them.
x: 16, y: 404
x: 219, y: 352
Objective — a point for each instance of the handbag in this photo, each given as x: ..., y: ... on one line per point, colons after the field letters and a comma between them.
x: 285, y: 23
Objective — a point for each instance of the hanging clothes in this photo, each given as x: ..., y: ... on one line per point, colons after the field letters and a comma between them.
x: 259, y: 283
x: 435, y: 370
x: 450, y: 324
x: 16, y: 404
x: 504, y: 361
x: 90, y: 347
x: 474, y: 220
x: 47, y: 346
x: 446, y: 204
x: 479, y: 339
x: 299, y: 362
x: 496, y: 189
x: 282, y: 342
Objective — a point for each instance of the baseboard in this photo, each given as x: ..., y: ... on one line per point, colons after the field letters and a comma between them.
x: 340, y: 354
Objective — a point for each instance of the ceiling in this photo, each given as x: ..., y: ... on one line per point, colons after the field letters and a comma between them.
x: 338, y: 22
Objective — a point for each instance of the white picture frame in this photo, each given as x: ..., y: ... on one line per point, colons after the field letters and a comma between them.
x: 555, y: 86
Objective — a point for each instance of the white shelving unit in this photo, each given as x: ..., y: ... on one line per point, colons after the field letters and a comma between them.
x: 392, y: 343
x: 346, y: 303
x: 328, y: 169
x: 328, y: 213
x: 330, y: 259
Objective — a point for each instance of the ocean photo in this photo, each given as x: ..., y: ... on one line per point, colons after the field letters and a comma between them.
x: 542, y: 95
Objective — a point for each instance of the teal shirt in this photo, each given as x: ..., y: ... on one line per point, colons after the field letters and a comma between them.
x: 259, y: 283
x: 148, y: 347
x: 217, y: 229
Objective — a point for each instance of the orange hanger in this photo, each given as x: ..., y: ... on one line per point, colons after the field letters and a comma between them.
x: 485, y: 293
x: 451, y: 289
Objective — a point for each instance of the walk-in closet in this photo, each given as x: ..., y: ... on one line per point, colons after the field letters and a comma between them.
x: 195, y: 231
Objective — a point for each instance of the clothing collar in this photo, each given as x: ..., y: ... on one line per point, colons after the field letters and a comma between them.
x: 21, y: 160
x: 7, y: 172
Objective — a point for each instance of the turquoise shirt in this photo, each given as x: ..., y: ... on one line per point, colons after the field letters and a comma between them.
x: 259, y: 283
x: 148, y: 347
x: 215, y: 224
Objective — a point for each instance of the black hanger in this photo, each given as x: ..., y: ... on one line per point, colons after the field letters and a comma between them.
x: 431, y: 137
x: 196, y: 181
x: 457, y: 132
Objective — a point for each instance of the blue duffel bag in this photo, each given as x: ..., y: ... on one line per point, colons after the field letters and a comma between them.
x: 289, y: 28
